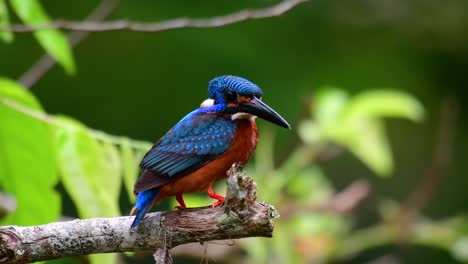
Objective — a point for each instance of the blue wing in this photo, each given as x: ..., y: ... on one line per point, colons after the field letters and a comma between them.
x: 193, y: 142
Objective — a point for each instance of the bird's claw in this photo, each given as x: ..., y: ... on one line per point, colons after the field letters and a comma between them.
x: 178, y: 207
x: 216, y: 196
x: 219, y: 202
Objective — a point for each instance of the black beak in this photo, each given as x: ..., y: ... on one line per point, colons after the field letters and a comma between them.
x: 262, y: 110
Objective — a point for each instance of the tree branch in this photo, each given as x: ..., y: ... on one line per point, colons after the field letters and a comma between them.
x: 437, y: 169
x: 178, y: 23
x: 344, y: 202
x: 45, y: 63
x: 240, y: 216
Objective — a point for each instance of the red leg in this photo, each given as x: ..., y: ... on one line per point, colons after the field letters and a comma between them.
x: 216, y: 196
x: 180, y: 199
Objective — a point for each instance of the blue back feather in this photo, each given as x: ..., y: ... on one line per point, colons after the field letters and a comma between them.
x: 198, y: 138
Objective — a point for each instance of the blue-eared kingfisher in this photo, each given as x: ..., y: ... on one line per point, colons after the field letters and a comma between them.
x: 201, y: 147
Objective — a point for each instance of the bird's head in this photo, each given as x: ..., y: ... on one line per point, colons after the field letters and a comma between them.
x: 240, y: 98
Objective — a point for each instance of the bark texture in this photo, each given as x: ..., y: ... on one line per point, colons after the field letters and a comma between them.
x: 240, y: 216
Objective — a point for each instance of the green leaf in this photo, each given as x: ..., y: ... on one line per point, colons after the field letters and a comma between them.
x: 82, y: 163
x: 113, y: 178
x: 460, y: 249
x: 362, y: 131
x: 368, y: 141
x: 103, y: 258
x: 329, y: 105
x: 384, y: 103
x: 6, y: 36
x: 90, y: 174
x: 357, y: 125
x: 130, y: 167
x: 53, y: 41
x: 310, y: 132
x: 27, y: 164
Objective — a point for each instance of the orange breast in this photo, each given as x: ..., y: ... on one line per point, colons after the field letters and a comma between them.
x: 200, y: 180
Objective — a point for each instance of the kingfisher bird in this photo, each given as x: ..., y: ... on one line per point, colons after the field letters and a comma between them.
x: 200, y: 148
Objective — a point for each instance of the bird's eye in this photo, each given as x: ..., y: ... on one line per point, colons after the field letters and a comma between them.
x: 230, y: 96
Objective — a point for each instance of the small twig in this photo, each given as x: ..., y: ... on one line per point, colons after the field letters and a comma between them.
x: 343, y: 202
x: 7, y: 204
x: 348, y: 199
x: 172, y: 24
x: 240, y: 216
x: 45, y: 63
x: 437, y: 169
x: 162, y: 256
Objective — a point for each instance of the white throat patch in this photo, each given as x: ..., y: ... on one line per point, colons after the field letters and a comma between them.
x: 242, y: 115
x: 207, y: 102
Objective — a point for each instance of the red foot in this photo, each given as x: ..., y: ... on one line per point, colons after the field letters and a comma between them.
x: 180, y: 199
x: 216, y: 196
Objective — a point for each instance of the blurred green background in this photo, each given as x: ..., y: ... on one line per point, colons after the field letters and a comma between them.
x: 139, y: 84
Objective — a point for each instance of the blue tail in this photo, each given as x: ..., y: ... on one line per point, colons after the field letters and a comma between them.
x: 143, y: 204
